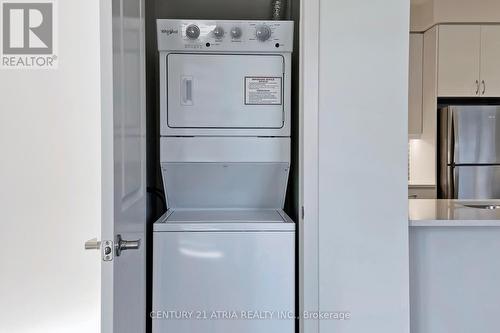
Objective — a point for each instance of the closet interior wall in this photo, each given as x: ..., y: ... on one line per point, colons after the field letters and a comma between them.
x: 209, y: 10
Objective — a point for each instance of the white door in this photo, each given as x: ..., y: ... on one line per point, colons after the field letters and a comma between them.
x: 459, y: 58
x: 199, y: 97
x: 123, y: 302
x: 490, y: 60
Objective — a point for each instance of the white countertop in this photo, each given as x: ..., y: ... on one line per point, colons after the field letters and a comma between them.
x: 447, y: 213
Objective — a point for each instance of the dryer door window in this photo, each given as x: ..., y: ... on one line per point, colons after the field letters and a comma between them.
x: 225, y: 91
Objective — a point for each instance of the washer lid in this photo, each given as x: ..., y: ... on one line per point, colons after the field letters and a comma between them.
x: 224, y: 220
x: 225, y: 173
x: 225, y: 185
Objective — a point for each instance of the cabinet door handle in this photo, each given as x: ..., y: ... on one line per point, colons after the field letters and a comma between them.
x: 484, y: 87
x: 477, y: 87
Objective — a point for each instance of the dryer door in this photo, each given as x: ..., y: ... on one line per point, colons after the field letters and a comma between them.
x: 225, y: 91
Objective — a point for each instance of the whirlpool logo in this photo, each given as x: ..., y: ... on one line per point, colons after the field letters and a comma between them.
x: 170, y: 31
x: 28, y: 34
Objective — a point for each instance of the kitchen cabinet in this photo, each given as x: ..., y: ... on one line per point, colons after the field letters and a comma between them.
x: 421, y: 192
x: 422, y: 152
x: 459, y: 59
x: 469, y: 61
x: 415, y: 85
x: 490, y: 60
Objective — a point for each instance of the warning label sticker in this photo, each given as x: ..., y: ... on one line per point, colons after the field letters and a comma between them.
x: 263, y: 90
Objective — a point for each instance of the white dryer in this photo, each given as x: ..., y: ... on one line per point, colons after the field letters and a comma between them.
x: 225, y: 77
x: 224, y: 252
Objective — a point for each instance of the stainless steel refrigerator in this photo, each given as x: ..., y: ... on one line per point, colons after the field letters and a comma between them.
x: 469, y: 152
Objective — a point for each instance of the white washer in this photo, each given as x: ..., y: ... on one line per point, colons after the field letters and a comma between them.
x: 238, y: 261
x: 224, y: 271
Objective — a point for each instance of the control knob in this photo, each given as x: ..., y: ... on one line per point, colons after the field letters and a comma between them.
x: 193, y: 31
x: 263, y: 33
x: 219, y: 32
x: 236, y: 32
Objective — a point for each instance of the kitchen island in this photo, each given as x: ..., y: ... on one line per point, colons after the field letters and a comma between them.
x: 440, y: 213
x: 454, y: 266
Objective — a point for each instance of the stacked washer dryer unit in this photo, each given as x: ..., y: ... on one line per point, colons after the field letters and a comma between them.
x: 224, y: 253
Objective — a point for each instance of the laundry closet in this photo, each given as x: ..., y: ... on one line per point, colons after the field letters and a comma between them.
x: 223, y: 165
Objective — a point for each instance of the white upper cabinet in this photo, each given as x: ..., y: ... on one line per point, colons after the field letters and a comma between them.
x: 490, y: 61
x: 459, y: 60
x: 415, y: 85
x: 469, y: 61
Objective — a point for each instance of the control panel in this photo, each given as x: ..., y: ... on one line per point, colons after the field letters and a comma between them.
x: 224, y: 35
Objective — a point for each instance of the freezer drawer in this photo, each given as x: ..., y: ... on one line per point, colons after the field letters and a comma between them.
x: 225, y: 91
x: 218, y: 278
x: 476, y: 182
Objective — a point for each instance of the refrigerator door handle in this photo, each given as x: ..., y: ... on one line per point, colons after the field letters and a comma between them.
x: 455, y: 183
x: 451, y: 137
x: 448, y: 184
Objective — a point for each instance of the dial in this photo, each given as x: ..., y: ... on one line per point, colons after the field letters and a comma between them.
x: 193, y: 31
x: 263, y: 33
x: 219, y: 32
x: 236, y: 32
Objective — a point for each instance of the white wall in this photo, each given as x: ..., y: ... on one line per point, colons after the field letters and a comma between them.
x: 50, y: 184
x: 309, y: 103
x: 446, y: 11
x: 427, y: 13
x: 363, y: 215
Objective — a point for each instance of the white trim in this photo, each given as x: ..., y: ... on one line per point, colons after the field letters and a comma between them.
x: 309, y: 116
x: 107, y: 159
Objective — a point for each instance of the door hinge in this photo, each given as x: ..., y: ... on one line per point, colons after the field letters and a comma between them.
x: 303, y: 212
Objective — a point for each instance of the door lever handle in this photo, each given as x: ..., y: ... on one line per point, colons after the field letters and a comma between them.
x: 123, y: 245
x: 120, y: 245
